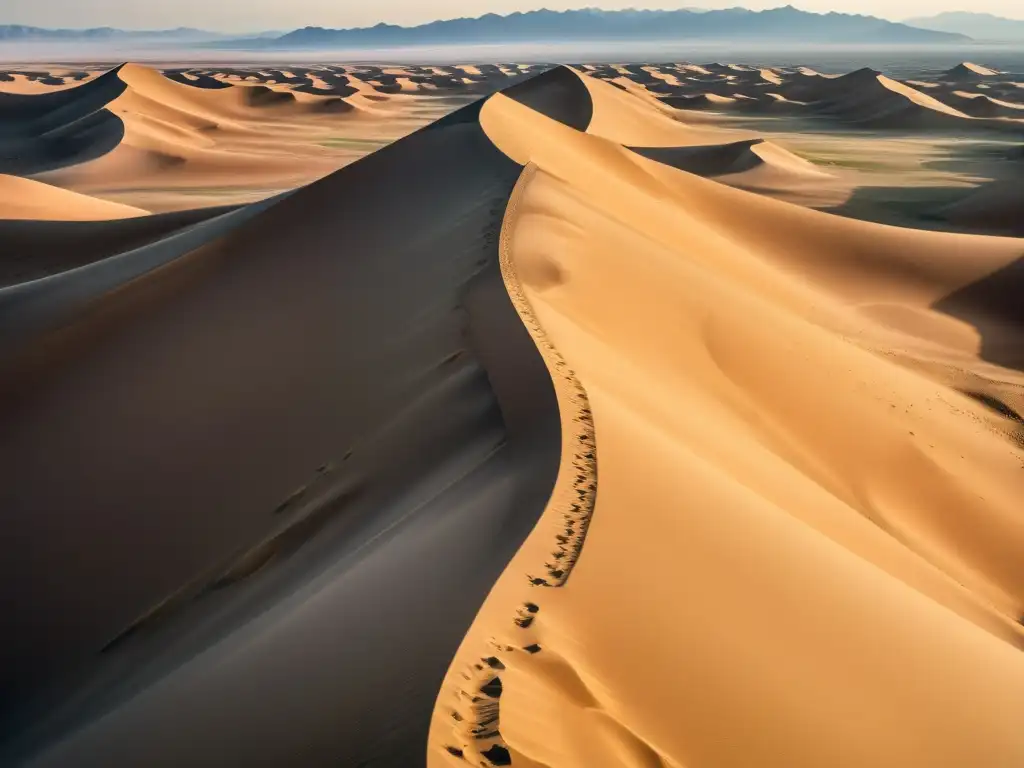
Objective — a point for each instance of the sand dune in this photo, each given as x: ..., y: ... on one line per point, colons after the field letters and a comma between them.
x: 753, y: 164
x: 43, y: 82
x: 700, y: 101
x: 981, y: 105
x: 864, y: 98
x: 26, y: 199
x: 634, y: 121
x: 164, y: 143
x: 811, y: 471
x: 514, y: 442
x: 190, y: 137
x: 969, y: 71
x: 54, y: 130
x: 870, y: 98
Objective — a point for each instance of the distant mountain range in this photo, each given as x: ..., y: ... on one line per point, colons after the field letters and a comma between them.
x: 784, y: 25
x: 20, y: 33
x: 980, y: 26
x: 778, y: 25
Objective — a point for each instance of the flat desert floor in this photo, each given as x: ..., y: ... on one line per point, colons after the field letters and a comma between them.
x: 632, y: 415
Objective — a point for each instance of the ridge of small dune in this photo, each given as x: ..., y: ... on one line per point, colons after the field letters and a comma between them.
x: 741, y: 157
x: 969, y: 71
x: 871, y: 98
x: 624, y: 118
x: 983, y: 105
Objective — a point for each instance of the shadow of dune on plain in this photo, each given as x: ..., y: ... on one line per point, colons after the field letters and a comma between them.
x: 706, y: 160
x: 915, y: 207
x: 169, y: 423
x: 995, y: 307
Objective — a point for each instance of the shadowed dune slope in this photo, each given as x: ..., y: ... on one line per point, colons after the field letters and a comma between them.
x: 804, y: 547
x: 53, y: 130
x: 981, y: 105
x: 560, y: 94
x: 338, y: 373
x: 35, y: 249
x: 753, y: 163
x: 868, y: 97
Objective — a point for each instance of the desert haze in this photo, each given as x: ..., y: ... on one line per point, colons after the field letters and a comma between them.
x: 639, y: 415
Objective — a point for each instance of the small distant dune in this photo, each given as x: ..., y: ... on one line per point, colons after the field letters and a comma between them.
x: 968, y: 71
x: 866, y: 97
x: 872, y: 99
x: 700, y: 101
x: 982, y: 105
x: 749, y: 157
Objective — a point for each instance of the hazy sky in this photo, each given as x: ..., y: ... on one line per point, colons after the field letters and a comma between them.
x: 235, y: 15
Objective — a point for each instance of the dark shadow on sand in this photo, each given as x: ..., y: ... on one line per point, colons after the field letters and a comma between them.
x: 994, y: 305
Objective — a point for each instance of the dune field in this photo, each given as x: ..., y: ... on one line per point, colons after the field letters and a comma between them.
x: 640, y: 416
x: 188, y: 138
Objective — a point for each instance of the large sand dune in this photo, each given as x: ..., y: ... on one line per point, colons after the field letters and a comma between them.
x: 724, y: 481
x: 793, y: 376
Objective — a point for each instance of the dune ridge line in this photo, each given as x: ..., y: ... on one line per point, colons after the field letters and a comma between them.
x: 476, y: 708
